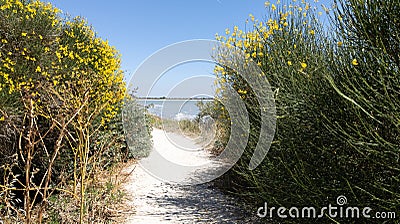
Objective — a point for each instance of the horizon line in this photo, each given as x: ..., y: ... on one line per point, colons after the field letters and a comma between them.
x: 172, y: 98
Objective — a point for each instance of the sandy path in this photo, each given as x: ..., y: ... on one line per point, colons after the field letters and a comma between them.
x: 157, y: 202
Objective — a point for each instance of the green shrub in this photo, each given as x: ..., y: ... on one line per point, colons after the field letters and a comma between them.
x: 365, y: 74
x: 337, y: 107
x: 60, y: 87
x: 137, y: 126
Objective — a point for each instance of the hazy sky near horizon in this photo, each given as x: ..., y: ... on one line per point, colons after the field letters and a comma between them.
x: 140, y: 28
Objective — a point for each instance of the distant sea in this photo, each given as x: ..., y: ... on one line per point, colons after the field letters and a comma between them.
x: 172, y: 109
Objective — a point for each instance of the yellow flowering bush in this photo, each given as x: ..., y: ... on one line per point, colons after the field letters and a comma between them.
x: 92, y: 66
x: 60, y: 87
x: 25, y: 43
x: 37, y: 47
x: 365, y: 74
x: 336, y: 102
x: 283, y: 46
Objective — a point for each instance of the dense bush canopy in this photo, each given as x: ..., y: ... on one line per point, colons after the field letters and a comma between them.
x: 61, y: 91
x: 337, y: 98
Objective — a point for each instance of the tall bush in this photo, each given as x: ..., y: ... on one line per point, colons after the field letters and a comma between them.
x: 60, y: 85
x: 337, y: 102
x: 365, y: 74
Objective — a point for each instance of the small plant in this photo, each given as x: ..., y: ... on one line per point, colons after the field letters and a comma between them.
x: 137, y: 126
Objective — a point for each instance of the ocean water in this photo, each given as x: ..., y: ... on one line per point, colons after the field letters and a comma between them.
x: 172, y: 109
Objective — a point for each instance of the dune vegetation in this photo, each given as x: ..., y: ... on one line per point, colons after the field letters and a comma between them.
x: 61, y: 94
x: 336, y: 89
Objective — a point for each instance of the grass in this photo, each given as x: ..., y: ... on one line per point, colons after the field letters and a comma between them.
x: 186, y: 127
x: 104, y: 199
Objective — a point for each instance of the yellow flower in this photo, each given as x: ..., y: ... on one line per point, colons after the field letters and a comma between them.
x: 38, y: 69
x: 303, y: 65
x: 340, y: 43
x: 354, y: 62
x: 285, y: 24
x: 312, y: 32
x: 289, y: 63
x: 2, y: 118
x: 273, y: 7
x: 242, y: 91
x: 24, y: 34
x: 252, y: 17
x: 267, y: 4
x: 40, y: 37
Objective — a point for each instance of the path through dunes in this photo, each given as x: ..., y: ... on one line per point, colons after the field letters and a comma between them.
x: 154, y: 201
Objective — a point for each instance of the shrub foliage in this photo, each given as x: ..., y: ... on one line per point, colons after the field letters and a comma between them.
x: 61, y: 90
x: 337, y: 102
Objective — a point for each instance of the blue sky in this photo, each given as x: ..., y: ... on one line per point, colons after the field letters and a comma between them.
x: 140, y: 28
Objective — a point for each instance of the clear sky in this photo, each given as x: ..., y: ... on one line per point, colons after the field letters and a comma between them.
x: 140, y: 28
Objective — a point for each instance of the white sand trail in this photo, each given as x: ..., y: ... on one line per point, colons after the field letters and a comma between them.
x: 155, y: 201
